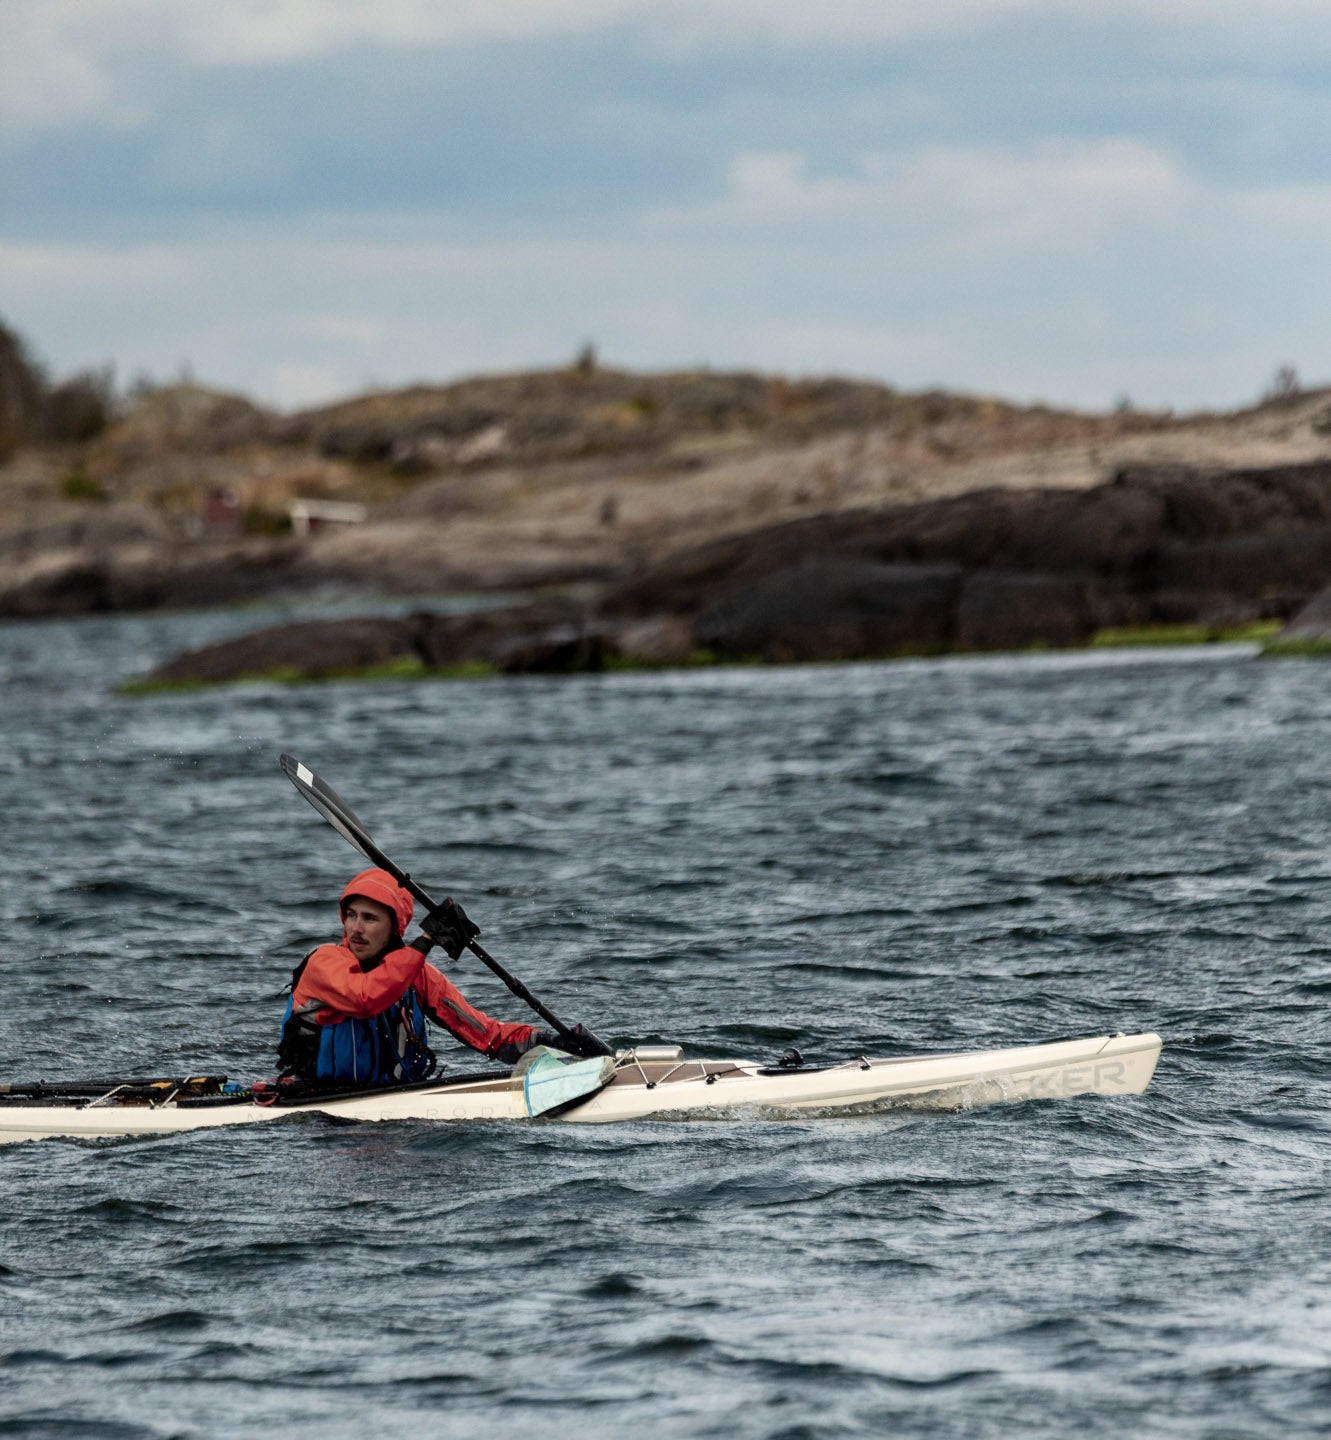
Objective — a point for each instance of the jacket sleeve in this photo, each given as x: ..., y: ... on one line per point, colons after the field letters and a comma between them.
x: 333, y: 977
x: 500, y: 1039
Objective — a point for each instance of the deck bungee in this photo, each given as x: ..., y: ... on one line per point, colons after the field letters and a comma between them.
x: 646, y: 1082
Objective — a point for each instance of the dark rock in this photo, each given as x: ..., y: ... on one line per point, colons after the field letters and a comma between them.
x: 1004, y: 610
x: 835, y: 609
x: 566, y: 649
x: 848, y: 609
x: 1283, y: 566
x: 1156, y: 544
x: 220, y: 575
x: 532, y: 638
x: 1204, y: 609
x: 1116, y: 532
x: 92, y: 572
x: 312, y: 649
x: 65, y: 587
x: 501, y: 637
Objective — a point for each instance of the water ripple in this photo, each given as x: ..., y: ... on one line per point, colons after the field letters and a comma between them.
x: 924, y: 856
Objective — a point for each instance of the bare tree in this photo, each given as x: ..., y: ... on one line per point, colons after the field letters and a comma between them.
x: 1285, y: 384
x: 22, y: 393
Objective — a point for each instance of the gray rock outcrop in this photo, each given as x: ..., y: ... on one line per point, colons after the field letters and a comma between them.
x: 1309, y: 631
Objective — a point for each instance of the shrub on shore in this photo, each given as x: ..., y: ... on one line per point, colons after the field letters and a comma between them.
x: 22, y: 393
x: 33, y: 410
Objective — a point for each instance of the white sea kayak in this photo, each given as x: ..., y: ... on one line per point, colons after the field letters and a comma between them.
x: 652, y: 1081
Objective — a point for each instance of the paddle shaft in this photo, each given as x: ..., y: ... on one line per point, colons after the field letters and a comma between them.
x: 338, y: 814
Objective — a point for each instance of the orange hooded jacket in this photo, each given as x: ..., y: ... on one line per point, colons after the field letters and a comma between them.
x: 335, y: 987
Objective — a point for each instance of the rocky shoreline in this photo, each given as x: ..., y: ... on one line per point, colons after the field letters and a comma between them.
x: 694, y: 516
x: 1216, y: 551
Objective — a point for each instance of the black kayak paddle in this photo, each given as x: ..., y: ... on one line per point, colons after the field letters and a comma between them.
x: 343, y: 819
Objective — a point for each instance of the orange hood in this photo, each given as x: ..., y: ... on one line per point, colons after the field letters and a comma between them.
x: 379, y: 886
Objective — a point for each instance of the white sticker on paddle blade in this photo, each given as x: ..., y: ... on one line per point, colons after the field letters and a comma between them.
x: 306, y: 777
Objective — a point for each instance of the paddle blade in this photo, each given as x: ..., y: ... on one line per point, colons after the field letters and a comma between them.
x: 334, y: 809
x: 551, y: 1079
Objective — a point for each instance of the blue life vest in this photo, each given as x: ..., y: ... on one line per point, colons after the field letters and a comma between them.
x: 384, y: 1049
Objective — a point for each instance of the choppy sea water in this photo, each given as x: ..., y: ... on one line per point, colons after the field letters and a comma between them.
x: 873, y: 858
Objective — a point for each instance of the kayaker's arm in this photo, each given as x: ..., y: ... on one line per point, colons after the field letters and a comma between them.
x: 502, y: 1040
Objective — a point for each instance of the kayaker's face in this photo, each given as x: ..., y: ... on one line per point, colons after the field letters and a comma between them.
x: 367, y: 927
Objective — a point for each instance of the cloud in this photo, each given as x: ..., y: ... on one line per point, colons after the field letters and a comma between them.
x: 260, y: 31
x: 88, y: 268
x: 1051, y: 197
x: 958, y: 194
x: 248, y: 32
x: 1065, y: 272
x: 54, y: 73
x: 66, y: 61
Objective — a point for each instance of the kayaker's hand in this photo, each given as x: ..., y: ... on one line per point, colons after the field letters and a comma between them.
x: 579, y: 1041
x: 582, y: 1042
x: 448, y: 925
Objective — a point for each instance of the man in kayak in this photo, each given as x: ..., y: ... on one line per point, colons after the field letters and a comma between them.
x: 358, y: 1011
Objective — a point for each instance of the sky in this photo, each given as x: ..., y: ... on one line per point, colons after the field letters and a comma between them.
x: 1070, y: 201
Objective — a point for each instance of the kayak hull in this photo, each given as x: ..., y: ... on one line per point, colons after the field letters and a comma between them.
x: 1099, y: 1065
x: 1102, y: 1065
